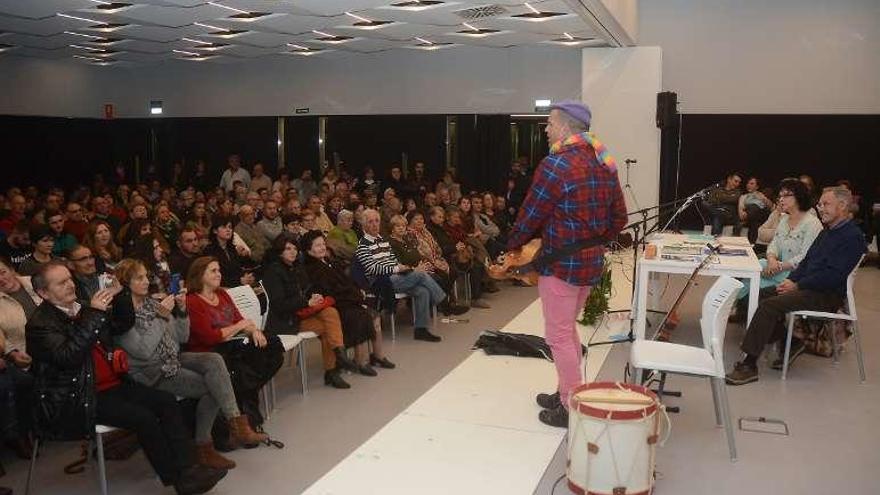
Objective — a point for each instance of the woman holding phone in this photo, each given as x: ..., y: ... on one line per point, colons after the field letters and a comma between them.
x: 157, y: 327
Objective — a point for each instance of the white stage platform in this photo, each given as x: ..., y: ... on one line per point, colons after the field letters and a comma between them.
x: 475, y: 431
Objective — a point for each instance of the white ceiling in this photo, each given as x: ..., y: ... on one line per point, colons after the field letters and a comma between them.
x: 155, y: 30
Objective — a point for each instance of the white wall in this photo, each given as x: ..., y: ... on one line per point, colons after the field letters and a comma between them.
x: 32, y: 86
x: 760, y: 56
x: 621, y: 86
x: 459, y: 80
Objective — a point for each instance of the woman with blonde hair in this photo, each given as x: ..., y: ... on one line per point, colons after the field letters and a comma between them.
x: 99, y: 239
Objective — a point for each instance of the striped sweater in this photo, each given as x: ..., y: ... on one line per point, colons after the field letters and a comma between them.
x: 375, y: 255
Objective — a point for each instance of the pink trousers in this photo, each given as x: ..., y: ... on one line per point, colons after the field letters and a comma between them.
x: 562, y: 304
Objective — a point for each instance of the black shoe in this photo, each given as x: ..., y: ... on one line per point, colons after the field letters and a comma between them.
x: 334, y: 379
x: 198, y: 479
x: 366, y: 370
x: 382, y: 363
x: 554, y: 417
x: 742, y: 373
x: 548, y: 401
x: 452, y: 309
x: 491, y: 287
x: 343, y: 362
x: 424, y: 334
x: 797, y: 348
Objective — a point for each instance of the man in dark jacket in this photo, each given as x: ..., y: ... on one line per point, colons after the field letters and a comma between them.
x: 818, y: 284
x: 79, y: 382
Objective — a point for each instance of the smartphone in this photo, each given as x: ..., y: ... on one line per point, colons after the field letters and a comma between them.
x: 174, y: 286
x: 105, y: 281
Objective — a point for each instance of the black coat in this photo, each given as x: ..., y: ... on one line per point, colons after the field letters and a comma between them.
x: 64, y: 374
x: 288, y: 290
x: 231, y: 264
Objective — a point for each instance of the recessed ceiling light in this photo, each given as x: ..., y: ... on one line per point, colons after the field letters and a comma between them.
x: 105, y: 41
x: 477, y: 32
x: 569, y: 40
x: 303, y: 50
x: 228, y: 33
x: 93, y: 36
x: 416, y: 5
x: 424, y: 44
x: 89, y: 58
x: 205, y: 45
x: 193, y: 55
x: 538, y: 16
x: 248, y: 16
x: 112, y: 7
x: 107, y: 27
x: 330, y: 38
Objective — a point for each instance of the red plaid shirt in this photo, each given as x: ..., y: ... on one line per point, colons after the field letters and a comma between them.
x: 574, y: 197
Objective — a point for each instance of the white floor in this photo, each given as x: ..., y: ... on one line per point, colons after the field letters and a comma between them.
x: 467, y: 433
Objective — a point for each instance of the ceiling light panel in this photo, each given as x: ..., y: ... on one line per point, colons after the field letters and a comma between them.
x: 332, y: 8
x: 172, y: 16
x: 40, y: 9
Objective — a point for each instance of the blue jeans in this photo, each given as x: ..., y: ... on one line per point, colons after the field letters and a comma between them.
x: 424, y: 291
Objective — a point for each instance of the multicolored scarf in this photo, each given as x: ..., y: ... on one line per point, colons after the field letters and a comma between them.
x: 602, y: 153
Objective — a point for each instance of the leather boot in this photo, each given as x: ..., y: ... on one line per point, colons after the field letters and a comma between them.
x: 332, y: 378
x: 342, y: 361
x: 209, y: 457
x: 241, y: 433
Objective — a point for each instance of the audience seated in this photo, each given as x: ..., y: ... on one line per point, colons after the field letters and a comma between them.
x: 252, y: 235
x: 17, y: 303
x: 216, y: 325
x: 78, y: 386
x: 457, y: 253
x: 322, y: 221
x: 342, y: 240
x: 156, y: 328
x: 270, y: 225
x: 405, y: 246
x: 375, y: 256
x: 63, y: 240
x: 794, y: 235
x: 166, y: 224
x: 754, y: 208
x: 357, y: 323
x: 722, y: 203
x: 185, y: 252
x: 75, y: 223
x: 16, y: 246
x: 231, y: 257
x: 235, y: 173
x: 43, y: 242
x: 99, y: 239
x: 295, y: 305
x: 818, y: 283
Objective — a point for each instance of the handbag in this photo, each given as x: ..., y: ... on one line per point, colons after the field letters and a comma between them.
x: 309, y: 311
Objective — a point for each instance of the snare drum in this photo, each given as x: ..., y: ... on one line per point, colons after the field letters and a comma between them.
x: 613, y: 429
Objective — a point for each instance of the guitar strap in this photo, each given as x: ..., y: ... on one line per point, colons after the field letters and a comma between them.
x: 546, y: 259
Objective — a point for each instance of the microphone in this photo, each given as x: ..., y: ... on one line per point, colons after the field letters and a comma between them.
x: 630, y: 160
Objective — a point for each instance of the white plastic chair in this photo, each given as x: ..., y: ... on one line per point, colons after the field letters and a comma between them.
x: 706, y: 361
x: 848, y: 314
x: 100, y: 430
x: 248, y: 304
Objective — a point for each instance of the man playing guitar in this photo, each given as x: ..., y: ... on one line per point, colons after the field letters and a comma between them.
x: 575, y: 199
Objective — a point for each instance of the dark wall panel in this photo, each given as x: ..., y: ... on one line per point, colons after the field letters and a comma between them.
x: 380, y: 140
x: 827, y: 147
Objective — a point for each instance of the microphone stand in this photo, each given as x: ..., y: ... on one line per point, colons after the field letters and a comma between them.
x: 640, y: 234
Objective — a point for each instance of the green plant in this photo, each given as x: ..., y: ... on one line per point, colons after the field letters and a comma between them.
x: 597, y: 302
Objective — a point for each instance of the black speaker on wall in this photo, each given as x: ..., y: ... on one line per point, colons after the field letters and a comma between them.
x: 667, y: 109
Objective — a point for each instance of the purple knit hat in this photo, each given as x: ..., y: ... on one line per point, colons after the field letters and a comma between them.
x: 575, y: 110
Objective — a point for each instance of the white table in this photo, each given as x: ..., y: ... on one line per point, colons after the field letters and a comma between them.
x: 743, y: 267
